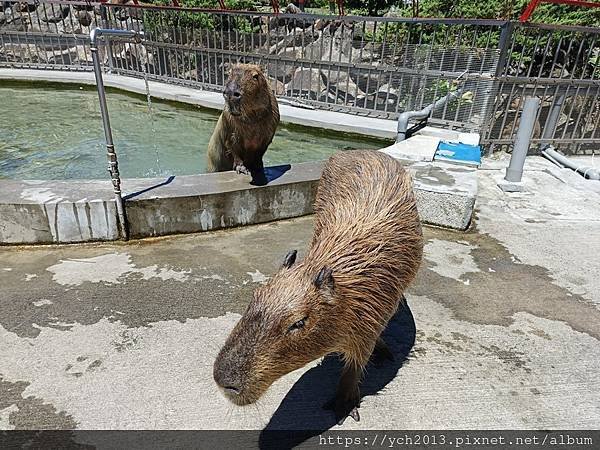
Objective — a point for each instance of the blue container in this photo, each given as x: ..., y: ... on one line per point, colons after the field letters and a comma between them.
x: 458, y: 152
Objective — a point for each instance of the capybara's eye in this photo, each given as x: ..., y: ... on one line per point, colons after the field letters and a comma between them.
x: 297, y: 325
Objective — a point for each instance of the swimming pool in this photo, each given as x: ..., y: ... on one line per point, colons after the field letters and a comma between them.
x: 54, y: 132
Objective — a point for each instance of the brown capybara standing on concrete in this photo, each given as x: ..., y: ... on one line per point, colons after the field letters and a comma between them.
x: 366, y: 249
x: 247, y: 124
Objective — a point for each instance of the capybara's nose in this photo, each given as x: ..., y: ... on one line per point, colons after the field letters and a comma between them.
x: 231, y: 390
x: 227, y: 381
x: 232, y: 92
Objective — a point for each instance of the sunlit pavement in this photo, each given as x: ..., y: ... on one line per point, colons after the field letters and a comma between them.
x: 501, y: 328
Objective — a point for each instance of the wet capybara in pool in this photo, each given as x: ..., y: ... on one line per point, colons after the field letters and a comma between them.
x: 366, y: 249
x: 247, y: 124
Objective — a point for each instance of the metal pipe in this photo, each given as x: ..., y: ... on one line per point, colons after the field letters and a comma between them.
x: 113, y: 164
x: 587, y: 171
x: 424, y: 113
x: 514, y: 172
x: 99, y: 32
x: 553, y: 118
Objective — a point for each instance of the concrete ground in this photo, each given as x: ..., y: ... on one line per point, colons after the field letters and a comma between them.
x: 501, y: 330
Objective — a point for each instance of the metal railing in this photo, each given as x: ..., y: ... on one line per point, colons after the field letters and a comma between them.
x: 372, y: 66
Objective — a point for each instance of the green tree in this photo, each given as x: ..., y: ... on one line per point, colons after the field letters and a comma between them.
x: 505, y: 9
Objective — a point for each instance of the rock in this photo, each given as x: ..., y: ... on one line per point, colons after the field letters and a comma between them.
x: 88, y: 7
x: 307, y: 83
x: 276, y: 86
x: 292, y: 9
x: 17, y: 52
x: 508, y: 133
x: 16, y: 24
x: 137, y: 52
x: 54, y: 15
x: 189, y: 75
x: 84, y: 18
x: 26, y: 7
x: 342, y: 86
x: 295, y: 38
x: 318, y: 49
x: 387, y: 96
x: 284, y: 68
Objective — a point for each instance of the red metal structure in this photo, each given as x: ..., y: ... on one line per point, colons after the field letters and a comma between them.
x: 535, y: 3
x: 275, y: 6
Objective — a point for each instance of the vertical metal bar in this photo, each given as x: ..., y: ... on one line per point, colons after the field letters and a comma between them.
x: 108, y: 44
x: 573, y: 100
x: 505, y: 46
x: 581, y: 110
x: 113, y: 164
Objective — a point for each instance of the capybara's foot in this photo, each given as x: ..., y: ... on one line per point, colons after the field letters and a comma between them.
x: 344, y: 407
x: 241, y: 169
x: 381, y: 352
x: 258, y: 178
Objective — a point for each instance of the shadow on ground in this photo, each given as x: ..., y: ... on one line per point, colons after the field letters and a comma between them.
x: 301, y: 416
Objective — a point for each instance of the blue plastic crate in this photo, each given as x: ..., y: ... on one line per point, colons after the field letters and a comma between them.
x: 458, y: 152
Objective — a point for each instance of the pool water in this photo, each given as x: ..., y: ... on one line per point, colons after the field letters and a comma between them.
x: 54, y: 132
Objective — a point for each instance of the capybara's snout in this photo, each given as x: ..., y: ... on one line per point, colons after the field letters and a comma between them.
x: 233, y: 96
x: 230, y: 375
x: 226, y: 379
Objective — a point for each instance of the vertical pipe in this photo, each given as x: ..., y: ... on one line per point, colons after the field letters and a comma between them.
x: 552, y: 121
x: 113, y: 165
x: 514, y: 172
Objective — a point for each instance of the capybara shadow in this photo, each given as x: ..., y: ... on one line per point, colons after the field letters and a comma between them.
x: 270, y: 174
x: 301, y: 414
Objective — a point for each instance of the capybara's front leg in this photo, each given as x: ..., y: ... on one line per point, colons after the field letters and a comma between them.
x: 347, y: 397
x: 257, y: 171
x: 381, y: 352
x: 239, y: 167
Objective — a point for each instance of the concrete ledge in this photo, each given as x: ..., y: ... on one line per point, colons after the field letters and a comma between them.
x: 212, y: 201
x: 330, y: 120
x: 78, y: 211
x: 57, y: 211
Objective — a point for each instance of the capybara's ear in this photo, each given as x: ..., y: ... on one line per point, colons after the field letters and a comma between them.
x: 290, y: 259
x: 324, y: 282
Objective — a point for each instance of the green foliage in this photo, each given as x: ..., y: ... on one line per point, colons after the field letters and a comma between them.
x: 505, y: 9
x: 163, y: 20
x: 318, y: 3
x: 371, y: 7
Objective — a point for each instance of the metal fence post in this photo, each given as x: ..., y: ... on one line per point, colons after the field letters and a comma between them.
x: 504, y: 44
x: 514, y: 172
x: 108, y: 46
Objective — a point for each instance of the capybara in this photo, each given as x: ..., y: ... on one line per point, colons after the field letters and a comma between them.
x: 366, y: 249
x: 247, y: 124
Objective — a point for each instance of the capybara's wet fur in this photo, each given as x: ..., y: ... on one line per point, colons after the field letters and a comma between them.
x: 366, y: 249
x: 247, y: 124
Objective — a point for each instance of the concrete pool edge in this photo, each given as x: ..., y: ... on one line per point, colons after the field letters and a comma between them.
x: 314, y: 118
x: 37, y: 212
